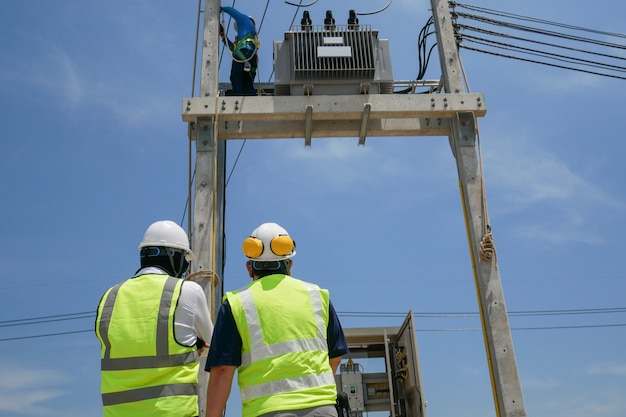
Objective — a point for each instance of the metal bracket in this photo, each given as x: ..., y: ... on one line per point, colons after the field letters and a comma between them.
x: 191, y: 131
x: 205, y: 137
x: 466, y: 129
x: 367, y: 107
x: 308, y: 125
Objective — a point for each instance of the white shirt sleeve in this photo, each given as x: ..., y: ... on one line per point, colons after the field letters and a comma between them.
x: 192, y: 318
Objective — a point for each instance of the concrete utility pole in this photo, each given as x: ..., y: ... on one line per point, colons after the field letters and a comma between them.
x: 208, y: 215
x: 506, y: 386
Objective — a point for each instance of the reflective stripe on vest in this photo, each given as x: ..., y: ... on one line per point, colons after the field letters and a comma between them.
x: 180, y: 362
x: 148, y: 393
x: 261, y: 351
x: 286, y: 385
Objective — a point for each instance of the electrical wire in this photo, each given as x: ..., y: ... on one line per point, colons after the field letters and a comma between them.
x: 359, y: 314
x: 476, y: 329
x: 544, y: 32
x: 553, y: 45
x: 544, y: 63
x: 558, y: 57
x: 235, y: 163
x: 45, y: 335
x: 609, y: 310
x: 606, y: 310
x: 423, y: 56
x: 298, y: 5
x: 536, y: 20
x: 375, y: 11
x: 486, y: 42
x: 48, y: 319
x: 591, y: 326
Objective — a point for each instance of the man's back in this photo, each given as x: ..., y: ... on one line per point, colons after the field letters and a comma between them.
x: 141, y: 358
x: 282, y: 322
x: 281, y: 333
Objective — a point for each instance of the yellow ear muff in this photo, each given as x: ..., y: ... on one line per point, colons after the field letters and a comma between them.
x: 282, y: 245
x: 252, y: 247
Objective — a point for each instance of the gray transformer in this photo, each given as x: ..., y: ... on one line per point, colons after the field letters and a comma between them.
x: 342, y: 61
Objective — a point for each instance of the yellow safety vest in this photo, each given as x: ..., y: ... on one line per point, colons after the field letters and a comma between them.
x: 145, y: 372
x: 283, y: 322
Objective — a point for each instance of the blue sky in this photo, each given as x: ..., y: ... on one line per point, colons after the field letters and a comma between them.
x: 94, y: 150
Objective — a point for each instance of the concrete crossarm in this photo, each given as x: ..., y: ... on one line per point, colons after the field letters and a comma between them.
x: 345, y: 107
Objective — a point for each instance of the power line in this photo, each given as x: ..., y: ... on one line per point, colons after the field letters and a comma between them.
x: 92, y: 314
x: 476, y: 329
x: 488, y: 44
x: 544, y: 32
x: 360, y: 314
x: 45, y: 335
x: 544, y: 63
x: 533, y: 19
x: 519, y: 38
x: 591, y: 326
x: 609, y: 310
x: 47, y: 319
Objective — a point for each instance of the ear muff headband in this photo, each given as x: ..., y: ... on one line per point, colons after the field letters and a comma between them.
x: 282, y: 245
x: 252, y: 247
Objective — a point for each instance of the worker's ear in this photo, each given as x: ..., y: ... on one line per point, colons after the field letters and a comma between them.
x: 249, y: 268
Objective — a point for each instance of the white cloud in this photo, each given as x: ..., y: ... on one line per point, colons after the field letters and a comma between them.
x: 607, y: 403
x: 558, y: 81
x: 25, y: 391
x: 332, y: 149
x: 526, y: 174
x: 85, y: 84
x: 337, y: 162
x: 59, y: 75
x: 558, y: 233
x: 342, y: 162
x: 608, y: 368
x: 528, y: 179
x: 540, y: 383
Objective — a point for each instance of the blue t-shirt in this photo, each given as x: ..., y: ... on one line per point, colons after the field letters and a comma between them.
x: 226, y: 342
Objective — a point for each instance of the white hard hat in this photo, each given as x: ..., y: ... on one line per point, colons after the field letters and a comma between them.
x: 166, y: 233
x: 269, y: 242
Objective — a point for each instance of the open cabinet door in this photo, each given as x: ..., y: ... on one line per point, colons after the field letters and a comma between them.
x: 408, y: 378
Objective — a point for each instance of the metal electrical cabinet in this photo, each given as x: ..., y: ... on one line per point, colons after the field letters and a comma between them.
x: 397, y: 390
